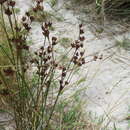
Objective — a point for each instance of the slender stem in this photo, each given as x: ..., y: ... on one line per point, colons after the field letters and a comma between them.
x: 11, y: 25
x: 15, y: 18
x: 47, y: 90
x: 3, y: 80
x: 4, y: 51
x: 53, y: 109
x: 7, y: 36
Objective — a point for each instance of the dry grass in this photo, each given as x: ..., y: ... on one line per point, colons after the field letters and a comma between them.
x: 118, y: 8
x: 111, y: 8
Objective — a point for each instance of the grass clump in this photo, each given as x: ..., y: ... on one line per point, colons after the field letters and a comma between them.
x: 111, y: 8
x: 125, y: 43
x: 114, y: 8
x: 65, y: 42
x: 83, y: 1
x: 117, y: 8
x: 69, y: 115
x: 52, y: 2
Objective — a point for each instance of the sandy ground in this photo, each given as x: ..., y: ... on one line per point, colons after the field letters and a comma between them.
x: 107, y: 81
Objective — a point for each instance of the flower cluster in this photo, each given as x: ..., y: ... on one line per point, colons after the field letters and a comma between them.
x: 45, y: 29
x: 9, y: 71
x: 27, y: 20
x: 2, y: 1
x: 78, y: 58
x: 95, y: 58
x: 9, y: 6
x: 44, y: 57
x: 39, y: 6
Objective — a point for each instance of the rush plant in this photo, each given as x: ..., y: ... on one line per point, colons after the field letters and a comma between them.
x: 33, y: 96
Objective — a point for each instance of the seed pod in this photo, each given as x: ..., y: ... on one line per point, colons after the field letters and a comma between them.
x: 54, y: 39
x: 2, y: 1
x: 26, y: 47
x: 49, y: 57
x: 64, y: 74
x: 42, y: 73
x: 8, y: 12
x: 81, y: 45
x: 40, y: 54
x: 18, y: 29
x: 81, y: 31
x: 77, y: 46
x: 12, y: 3
x: 66, y: 82
x: 101, y: 57
x: 72, y: 45
x: 75, y: 57
x: 83, y: 61
x: 24, y: 69
x: 49, y: 49
x: 23, y: 18
x: 35, y: 10
x: 43, y: 28
x: 44, y: 53
x: 77, y: 54
x: 39, y: 7
x: 46, y: 25
x: 33, y: 61
x: 95, y: 58
x: 46, y: 33
x: 81, y: 38
x: 61, y: 87
x: 35, y: 53
x: 27, y: 13
x: 32, y: 18
x: 64, y: 68
x: 79, y: 64
x: 9, y: 71
x: 26, y: 26
x: 54, y: 43
x: 76, y: 41
x: 81, y: 53
x: 75, y: 62
x: 61, y: 82
x: 80, y: 26
x: 49, y: 24
x: 56, y: 65
x: 45, y: 60
x: 42, y: 48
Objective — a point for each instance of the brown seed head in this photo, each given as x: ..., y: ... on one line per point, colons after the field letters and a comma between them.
x: 12, y: 3
x: 81, y: 31
x: 9, y: 71
x: 81, y: 38
x: 2, y: 1
x: 80, y: 26
x: 32, y: 18
x: 8, y: 12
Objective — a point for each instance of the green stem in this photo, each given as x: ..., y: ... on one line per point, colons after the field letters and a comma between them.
x: 3, y: 80
x: 7, y: 36
x: 46, y: 128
